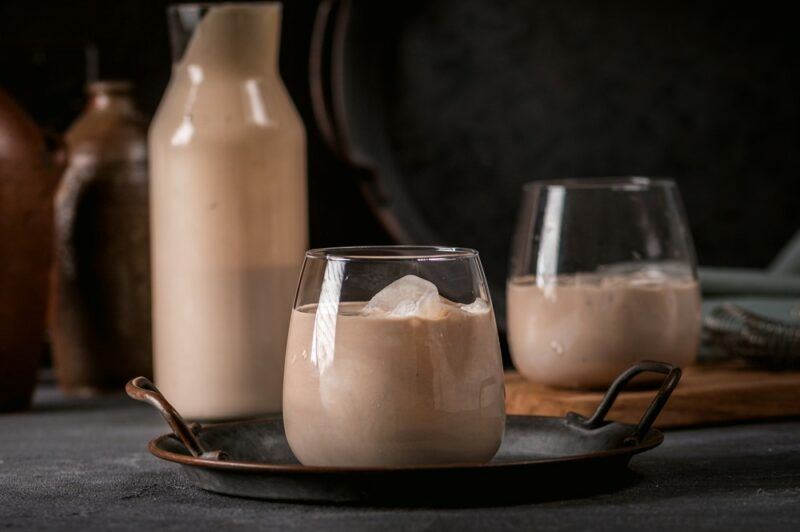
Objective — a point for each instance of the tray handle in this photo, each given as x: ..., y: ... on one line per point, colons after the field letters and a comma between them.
x: 673, y: 376
x: 142, y: 389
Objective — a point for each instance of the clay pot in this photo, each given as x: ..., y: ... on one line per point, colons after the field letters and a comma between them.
x: 29, y: 170
x: 100, y: 311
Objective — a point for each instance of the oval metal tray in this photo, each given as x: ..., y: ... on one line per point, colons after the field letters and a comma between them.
x: 540, y: 458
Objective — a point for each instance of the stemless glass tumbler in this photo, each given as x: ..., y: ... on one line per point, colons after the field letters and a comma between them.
x: 393, y: 359
x: 602, y: 275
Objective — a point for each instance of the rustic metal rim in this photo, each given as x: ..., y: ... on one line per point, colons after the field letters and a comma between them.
x: 654, y: 439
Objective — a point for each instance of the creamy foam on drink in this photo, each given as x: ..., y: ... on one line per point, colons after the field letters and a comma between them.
x: 583, y: 330
x: 228, y: 218
x: 408, y: 378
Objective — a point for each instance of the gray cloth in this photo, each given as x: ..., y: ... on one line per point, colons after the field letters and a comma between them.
x: 82, y: 464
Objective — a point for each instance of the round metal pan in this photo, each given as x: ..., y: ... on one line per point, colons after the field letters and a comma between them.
x: 540, y: 458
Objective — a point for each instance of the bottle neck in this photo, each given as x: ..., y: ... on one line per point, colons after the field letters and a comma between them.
x: 114, y: 96
x: 230, y: 37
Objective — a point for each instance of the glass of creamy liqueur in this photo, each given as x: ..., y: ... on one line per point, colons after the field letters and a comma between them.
x: 602, y: 275
x: 393, y: 359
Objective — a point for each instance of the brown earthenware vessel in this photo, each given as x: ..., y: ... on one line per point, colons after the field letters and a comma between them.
x: 29, y: 169
x: 100, y: 307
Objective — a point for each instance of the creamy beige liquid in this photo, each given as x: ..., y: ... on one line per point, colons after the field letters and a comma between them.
x: 581, y: 332
x: 228, y: 218
x: 388, y: 391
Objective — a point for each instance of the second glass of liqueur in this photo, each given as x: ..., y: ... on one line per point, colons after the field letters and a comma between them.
x: 602, y: 275
x: 228, y: 213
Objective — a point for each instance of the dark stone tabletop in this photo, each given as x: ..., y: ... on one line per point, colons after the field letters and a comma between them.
x: 74, y: 463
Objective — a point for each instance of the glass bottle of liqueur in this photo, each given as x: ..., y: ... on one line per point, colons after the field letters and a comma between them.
x: 228, y: 213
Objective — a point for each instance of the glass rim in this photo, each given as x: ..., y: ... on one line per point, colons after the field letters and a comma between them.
x: 386, y: 253
x: 628, y: 183
x: 176, y: 8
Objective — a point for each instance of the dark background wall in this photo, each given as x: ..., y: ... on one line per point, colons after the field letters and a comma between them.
x: 740, y: 216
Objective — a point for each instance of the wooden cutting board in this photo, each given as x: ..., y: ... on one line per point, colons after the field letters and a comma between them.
x: 706, y: 394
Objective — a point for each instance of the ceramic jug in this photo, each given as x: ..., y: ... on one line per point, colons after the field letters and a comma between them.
x: 100, y: 309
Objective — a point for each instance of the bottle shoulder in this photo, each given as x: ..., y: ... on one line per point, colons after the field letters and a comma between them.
x: 108, y: 135
x: 226, y: 110
x: 231, y: 97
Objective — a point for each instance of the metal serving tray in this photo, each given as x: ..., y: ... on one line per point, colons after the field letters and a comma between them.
x: 540, y: 458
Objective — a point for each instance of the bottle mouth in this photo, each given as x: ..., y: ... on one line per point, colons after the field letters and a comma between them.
x: 201, y: 7
x: 236, y: 32
x: 391, y: 253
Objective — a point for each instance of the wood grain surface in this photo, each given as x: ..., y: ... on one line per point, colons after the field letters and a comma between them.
x: 707, y: 394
